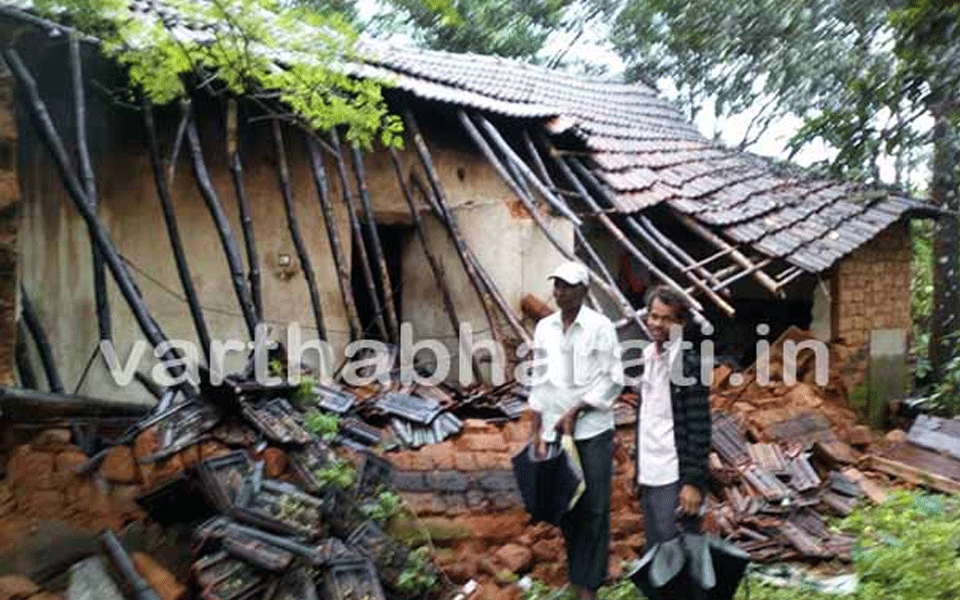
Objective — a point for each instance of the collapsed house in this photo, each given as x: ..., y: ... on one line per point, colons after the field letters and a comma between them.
x: 213, y: 220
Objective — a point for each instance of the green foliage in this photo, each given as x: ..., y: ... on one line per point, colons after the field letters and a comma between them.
x: 383, y: 508
x: 240, y: 56
x: 338, y: 474
x: 304, y: 394
x: 419, y: 575
x: 509, y: 28
x: 321, y: 424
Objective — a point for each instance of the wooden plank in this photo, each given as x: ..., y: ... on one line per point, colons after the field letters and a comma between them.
x: 913, y: 474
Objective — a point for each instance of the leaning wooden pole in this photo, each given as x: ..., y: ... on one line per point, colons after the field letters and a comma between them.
x: 358, y: 235
x: 35, y: 327
x: 89, y: 184
x: 293, y: 224
x: 364, y: 193
x: 483, y: 286
x: 534, y: 213
x: 336, y: 249
x: 243, y: 207
x: 48, y: 134
x: 624, y: 241
x: 21, y: 355
x: 737, y: 256
x: 435, y: 266
x: 173, y: 230
x: 227, y: 240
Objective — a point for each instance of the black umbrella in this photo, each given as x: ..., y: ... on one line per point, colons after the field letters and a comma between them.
x: 549, y: 486
x: 691, y: 567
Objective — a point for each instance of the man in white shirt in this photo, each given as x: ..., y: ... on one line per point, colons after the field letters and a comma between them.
x: 576, y: 382
x: 673, y: 424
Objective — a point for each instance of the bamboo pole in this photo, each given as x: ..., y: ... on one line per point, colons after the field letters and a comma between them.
x: 48, y: 134
x: 339, y: 259
x: 283, y: 174
x: 21, y: 355
x: 435, y: 266
x: 735, y: 254
x: 173, y: 230
x: 358, y: 235
x: 531, y: 209
x: 35, y: 327
x: 227, y: 240
x: 705, y: 261
x: 472, y: 266
x: 626, y: 243
x: 89, y: 185
x: 670, y: 258
x: 33, y: 404
x: 387, y: 286
x: 525, y: 170
x: 185, y: 112
x: 682, y: 254
x: 243, y: 206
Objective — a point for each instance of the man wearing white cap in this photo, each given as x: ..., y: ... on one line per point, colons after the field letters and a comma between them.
x: 577, y: 379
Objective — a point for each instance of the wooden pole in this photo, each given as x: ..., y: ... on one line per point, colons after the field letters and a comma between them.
x: 471, y: 266
x: 435, y: 266
x: 339, y: 259
x: 523, y: 168
x: 243, y: 206
x: 735, y: 254
x: 33, y: 404
x: 89, y: 185
x: 48, y: 134
x: 625, y: 242
x: 35, y: 327
x: 21, y: 354
x: 677, y: 250
x: 670, y: 258
x: 389, y: 306
x: 283, y: 174
x: 358, y: 235
x: 173, y: 231
x: 487, y: 151
x: 227, y: 240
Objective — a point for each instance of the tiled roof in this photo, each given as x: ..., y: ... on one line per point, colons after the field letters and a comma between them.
x: 642, y: 148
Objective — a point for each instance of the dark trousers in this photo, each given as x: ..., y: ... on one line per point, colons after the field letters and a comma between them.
x: 660, y: 519
x: 586, y: 528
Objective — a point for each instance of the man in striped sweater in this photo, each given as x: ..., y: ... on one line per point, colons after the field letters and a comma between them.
x: 673, y: 423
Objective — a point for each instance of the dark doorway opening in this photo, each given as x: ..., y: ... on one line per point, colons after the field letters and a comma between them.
x: 394, y: 240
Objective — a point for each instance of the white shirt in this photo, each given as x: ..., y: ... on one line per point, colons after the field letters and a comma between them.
x: 656, y: 447
x: 581, y: 364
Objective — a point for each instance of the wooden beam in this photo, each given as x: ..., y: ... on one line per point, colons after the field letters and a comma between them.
x: 21, y: 355
x: 435, y: 266
x: 482, y: 285
x: 340, y: 260
x: 386, y: 285
x: 89, y: 184
x: 735, y: 254
x: 358, y: 236
x: 290, y: 207
x: 173, y: 230
x: 222, y: 224
x: 35, y: 327
x: 37, y: 110
x: 16, y: 402
x: 243, y: 207
x: 912, y: 474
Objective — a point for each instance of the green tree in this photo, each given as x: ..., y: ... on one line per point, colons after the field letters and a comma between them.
x: 508, y: 28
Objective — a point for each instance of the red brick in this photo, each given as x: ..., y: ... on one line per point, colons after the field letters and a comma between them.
x: 483, y: 441
x: 464, y: 461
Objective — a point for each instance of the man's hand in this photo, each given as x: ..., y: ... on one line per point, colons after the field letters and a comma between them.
x: 568, y: 421
x: 690, y: 499
x: 539, y: 447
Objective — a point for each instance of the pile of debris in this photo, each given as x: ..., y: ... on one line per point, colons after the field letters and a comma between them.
x: 280, y: 514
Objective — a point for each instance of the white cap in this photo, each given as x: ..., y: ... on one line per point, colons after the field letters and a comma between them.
x: 572, y: 272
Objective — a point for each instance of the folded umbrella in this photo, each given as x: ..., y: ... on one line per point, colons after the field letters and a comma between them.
x: 549, y: 486
x: 691, y: 566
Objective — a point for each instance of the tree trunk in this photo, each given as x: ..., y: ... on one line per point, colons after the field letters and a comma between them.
x: 945, y: 317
